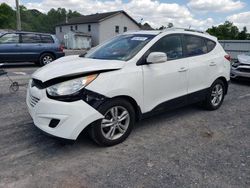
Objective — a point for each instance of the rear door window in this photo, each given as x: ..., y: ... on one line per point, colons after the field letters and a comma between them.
x: 47, y: 39
x: 171, y: 45
x: 11, y: 38
x: 30, y: 38
x: 195, y: 45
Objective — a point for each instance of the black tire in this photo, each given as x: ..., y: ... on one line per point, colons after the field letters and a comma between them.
x: 96, y: 130
x: 46, y: 58
x: 208, y: 104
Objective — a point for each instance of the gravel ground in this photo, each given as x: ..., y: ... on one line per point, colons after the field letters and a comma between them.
x: 188, y: 147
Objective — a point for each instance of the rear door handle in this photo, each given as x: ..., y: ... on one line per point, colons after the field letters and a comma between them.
x: 183, y: 69
x: 212, y: 64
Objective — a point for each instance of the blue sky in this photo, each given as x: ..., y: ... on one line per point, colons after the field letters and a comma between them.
x: 199, y: 14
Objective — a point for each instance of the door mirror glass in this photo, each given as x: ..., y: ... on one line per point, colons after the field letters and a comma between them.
x: 157, y: 57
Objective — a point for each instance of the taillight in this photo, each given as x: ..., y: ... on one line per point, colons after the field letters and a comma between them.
x: 228, y: 57
x: 61, y: 48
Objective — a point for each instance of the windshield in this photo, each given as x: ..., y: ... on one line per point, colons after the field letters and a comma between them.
x: 123, y: 47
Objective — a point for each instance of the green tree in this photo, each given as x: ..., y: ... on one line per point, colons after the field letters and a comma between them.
x: 7, y: 17
x: 243, y: 34
x: 34, y: 20
x: 225, y: 31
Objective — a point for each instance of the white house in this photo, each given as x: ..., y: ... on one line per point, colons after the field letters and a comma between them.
x: 100, y: 26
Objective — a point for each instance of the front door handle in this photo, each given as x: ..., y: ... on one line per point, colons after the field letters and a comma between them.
x: 212, y: 64
x: 183, y: 69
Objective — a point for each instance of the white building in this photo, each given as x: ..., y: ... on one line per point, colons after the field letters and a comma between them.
x: 100, y: 26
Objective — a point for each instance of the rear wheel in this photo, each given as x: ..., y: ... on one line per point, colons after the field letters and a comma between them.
x: 117, y: 124
x: 46, y: 58
x: 215, y: 95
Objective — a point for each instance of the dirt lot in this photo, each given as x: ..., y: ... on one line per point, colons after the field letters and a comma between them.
x: 188, y: 147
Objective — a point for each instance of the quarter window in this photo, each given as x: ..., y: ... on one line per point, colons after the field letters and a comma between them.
x: 11, y: 38
x: 195, y: 45
x: 210, y: 45
x: 171, y: 45
x: 47, y: 39
x: 31, y: 38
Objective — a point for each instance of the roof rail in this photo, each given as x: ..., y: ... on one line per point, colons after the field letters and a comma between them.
x: 184, y: 29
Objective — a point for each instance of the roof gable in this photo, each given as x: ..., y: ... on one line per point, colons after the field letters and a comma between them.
x: 95, y: 18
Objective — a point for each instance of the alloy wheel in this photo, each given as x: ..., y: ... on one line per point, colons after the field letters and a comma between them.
x: 115, y: 123
x: 217, y: 94
x: 47, y: 59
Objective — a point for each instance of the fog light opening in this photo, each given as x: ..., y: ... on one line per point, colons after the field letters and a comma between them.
x: 53, y: 123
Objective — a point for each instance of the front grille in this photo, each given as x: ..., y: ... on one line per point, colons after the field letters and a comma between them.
x: 33, y: 101
x: 244, y: 70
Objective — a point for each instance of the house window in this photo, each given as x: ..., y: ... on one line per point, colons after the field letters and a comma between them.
x: 76, y: 27
x: 117, y: 29
x: 71, y: 28
x: 89, y: 28
x: 125, y: 29
x: 60, y: 29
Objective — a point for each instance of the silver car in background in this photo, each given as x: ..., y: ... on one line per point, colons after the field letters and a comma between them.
x: 241, y: 68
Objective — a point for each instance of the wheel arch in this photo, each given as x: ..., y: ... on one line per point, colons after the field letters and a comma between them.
x: 132, y: 101
x: 47, y: 52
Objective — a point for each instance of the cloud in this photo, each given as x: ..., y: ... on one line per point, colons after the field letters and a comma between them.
x: 154, y: 12
x: 9, y: 2
x: 215, y: 5
x: 241, y: 19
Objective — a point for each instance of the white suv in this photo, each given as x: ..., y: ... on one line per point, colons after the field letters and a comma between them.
x: 125, y: 79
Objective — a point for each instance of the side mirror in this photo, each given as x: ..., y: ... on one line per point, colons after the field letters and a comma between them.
x: 157, y: 57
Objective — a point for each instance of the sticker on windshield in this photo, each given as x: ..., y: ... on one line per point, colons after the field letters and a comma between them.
x: 139, y: 38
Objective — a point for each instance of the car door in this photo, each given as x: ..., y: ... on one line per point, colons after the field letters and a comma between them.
x: 198, y: 62
x: 9, y: 47
x: 165, y: 84
x: 31, y: 46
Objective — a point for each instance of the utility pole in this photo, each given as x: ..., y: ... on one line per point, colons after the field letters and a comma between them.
x: 18, y: 17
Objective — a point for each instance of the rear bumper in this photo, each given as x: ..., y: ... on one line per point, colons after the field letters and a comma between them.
x: 235, y: 74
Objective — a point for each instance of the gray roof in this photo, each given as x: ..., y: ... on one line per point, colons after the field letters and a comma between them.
x: 95, y: 18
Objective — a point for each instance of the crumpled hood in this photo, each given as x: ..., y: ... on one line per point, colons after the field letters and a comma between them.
x: 244, y: 59
x: 74, y: 65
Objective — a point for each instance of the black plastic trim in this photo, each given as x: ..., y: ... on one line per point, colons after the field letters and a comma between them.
x: 90, y: 97
x: 178, y: 102
x: 53, y: 123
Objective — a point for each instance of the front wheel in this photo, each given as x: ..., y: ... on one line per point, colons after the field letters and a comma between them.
x: 117, y: 124
x: 215, y: 95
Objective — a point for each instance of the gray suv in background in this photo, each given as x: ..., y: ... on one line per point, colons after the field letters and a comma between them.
x: 40, y: 48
